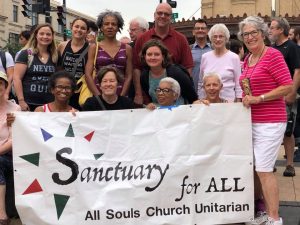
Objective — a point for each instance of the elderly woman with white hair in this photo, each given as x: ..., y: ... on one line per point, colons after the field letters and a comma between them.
x: 265, y: 80
x: 221, y: 61
x: 212, y: 85
x: 167, y: 93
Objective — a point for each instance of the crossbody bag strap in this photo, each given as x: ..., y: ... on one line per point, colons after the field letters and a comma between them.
x: 100, y: 102
x: 79, y: 59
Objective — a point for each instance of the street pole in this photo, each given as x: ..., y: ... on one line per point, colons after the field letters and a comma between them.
x: 65, y: 26
x: 160, y: 1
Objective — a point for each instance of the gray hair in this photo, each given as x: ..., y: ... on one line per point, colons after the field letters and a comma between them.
x: 174, y: 84
x: 212, y: 74
x: 283, y: 24
x: 112, y: 13
x: 255, y: 21
x: 219, y: 27
x: 141, y: 21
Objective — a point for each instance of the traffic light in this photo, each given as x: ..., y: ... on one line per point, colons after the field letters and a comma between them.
x: 61, y: 13
x: 26, y: 8
x: 172, y: 3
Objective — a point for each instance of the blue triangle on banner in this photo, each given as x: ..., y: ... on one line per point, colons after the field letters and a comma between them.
x: 46, y: 135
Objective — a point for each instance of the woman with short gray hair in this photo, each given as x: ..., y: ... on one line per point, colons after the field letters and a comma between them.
x: 265, y: 81
x: 223, y: 62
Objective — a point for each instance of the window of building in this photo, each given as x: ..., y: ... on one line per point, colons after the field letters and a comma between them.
x: 15, y: 13
x: 13, y: 38
x: 35, y: 18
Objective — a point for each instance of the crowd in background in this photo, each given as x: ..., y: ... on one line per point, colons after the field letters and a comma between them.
x: 157, y: 67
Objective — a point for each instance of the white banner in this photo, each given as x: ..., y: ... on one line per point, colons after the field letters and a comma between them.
x: 183, y: 166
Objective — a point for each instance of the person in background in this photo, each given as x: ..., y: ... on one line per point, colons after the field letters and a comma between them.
x: 278, y: 34
x: 167, y: 93
x: 108, y: 78
x: 137, y: 26
x: 156, y: 61
x: 24, y: 37
x: 110, y: 52
x: 212, y: 85
x: 266, y: 81
x: 215, y: 61
x: 7, y: 66
x: 125, y: 40
x: 176, y: 43
x: 6, y: 165
x: 92, y: 33
x: 200, y: 47
x: 237, y: 47
x: 73, y: 54
x: 34, y: 66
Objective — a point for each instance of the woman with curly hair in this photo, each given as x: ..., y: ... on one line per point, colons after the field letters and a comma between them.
x: 110, y: 52
x: 34, y: 65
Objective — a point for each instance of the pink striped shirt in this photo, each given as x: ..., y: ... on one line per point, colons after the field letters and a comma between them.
x: 270, y: 72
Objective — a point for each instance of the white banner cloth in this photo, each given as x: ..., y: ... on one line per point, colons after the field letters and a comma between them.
x: 181, y: 166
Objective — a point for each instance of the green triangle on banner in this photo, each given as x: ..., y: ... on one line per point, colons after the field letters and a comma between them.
x: 32, y: 158
x: 60, y: 203
x: 97, y: 156
x: 70, y: 132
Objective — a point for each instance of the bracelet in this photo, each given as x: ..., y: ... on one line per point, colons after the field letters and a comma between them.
x: 262, y: 97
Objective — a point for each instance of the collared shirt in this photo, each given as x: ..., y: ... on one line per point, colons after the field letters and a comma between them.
x: 197, y: 53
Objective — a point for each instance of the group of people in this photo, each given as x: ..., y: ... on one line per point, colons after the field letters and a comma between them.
x: 160, y: 69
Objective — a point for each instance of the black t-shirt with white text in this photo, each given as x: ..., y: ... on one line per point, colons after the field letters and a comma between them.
x: 35, y: 80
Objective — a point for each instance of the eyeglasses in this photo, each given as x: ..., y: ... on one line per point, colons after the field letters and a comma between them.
x: 133, y: 30
x: 66, y: 88
x: 218, y: 37
x: 159, y: 13
x: 253, y: 33
x: 200, y: 28
x: 163, y: 90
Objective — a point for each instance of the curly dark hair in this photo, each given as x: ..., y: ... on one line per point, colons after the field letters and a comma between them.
x: 112, y: 13
x: 61, y: 74
x: 164, y: 51
x: 105, y: 69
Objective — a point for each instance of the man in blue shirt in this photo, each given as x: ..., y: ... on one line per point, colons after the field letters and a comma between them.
x: 200, y: 47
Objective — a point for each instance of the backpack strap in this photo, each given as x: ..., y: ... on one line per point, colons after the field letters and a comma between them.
x: 3, y: 59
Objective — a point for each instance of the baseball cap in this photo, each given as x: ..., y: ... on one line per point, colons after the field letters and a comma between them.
x: 3, y: 76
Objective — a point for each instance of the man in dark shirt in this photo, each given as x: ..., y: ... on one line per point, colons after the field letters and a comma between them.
x: 278, y: 34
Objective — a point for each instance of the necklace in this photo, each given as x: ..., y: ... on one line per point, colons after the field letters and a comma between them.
x: 249, y: 61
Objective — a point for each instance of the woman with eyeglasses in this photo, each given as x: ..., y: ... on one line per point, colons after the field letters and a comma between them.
x: 222, y: 61
x: 156, y: 59
x: 265, y: 82
x: 109, y: 78
x: 167, y: 93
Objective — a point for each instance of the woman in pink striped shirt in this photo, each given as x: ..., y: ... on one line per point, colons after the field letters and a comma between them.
x: 265, y: 82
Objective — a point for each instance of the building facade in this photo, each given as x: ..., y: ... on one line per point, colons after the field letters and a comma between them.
x: 212, y: 8
x: 12, y: 21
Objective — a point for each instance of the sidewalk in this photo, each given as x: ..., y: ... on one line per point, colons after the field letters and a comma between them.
x: 289, y: 192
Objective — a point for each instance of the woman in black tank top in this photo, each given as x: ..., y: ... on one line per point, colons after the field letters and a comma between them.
x: 73, y: 54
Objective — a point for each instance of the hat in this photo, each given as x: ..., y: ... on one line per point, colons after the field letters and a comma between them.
x: 3, y: 76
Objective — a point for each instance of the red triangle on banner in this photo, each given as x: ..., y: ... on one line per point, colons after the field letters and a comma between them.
x: 89, y: 136
x: 33, y: 188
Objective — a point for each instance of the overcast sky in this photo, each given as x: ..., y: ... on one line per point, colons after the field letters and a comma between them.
x: 133, y: 8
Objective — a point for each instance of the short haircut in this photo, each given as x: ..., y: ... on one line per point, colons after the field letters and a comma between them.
x: 105, y: 69
x: 200, y: 21
x: 255, y: 21
x: 93, y: 26
x: 143, y: 23
x: 112, y: 13
x: 219, y: 27
x: 174, y: 85
x: 26, y: 34
x: 283, y: 24
x: 164, y: 50
x: 61, y: 74
x: 235, y: 45
x: 212, y: 74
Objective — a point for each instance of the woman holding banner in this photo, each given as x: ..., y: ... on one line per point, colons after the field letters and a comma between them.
x: 265, y: 82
